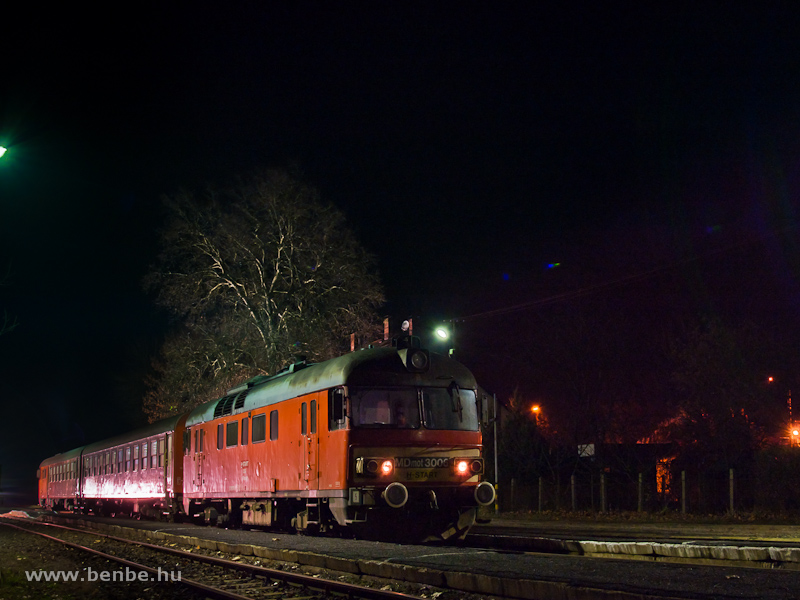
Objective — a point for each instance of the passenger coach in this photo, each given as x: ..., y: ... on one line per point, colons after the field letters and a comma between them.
x: 137, y: 473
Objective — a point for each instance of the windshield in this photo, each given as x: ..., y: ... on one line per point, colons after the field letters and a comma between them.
x: 379, y: 407
x: 450, y: 408
x: 444, y: 408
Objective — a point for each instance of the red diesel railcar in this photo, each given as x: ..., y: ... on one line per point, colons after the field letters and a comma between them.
x: 382, y: 442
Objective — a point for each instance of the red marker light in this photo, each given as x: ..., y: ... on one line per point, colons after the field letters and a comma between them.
x: 462, y: 466
x: 386, y: 467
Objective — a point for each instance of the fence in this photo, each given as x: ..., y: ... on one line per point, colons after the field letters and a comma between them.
x: 684, y: 491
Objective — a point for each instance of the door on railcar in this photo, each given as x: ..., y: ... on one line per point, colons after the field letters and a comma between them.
x: 165, y: 460
x: 199, y: 458
x: 308, y: 429
x: 43, y: 491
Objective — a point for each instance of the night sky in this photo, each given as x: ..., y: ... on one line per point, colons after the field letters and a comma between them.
x: 653, y: 153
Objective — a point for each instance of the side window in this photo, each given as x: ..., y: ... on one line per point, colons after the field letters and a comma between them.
x: 136, y: 457
x: 220, y: 436
x: 259, y: 428
x: 119, y: 461
x: 303, y: 419
x: 145, y: 459
x: 153, y: 454
x: 336, y: 410
x: 313, y: 424
x: 128, y: 458
x: 187, y: 441
x: 161, y: 452
x: 232, y: 434
x: 245, y: 423
x: 273, y: 425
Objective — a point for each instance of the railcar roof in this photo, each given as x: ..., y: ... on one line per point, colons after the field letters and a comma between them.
x: 372, y: 366
x: 162, y: 426
x: 68, y: 455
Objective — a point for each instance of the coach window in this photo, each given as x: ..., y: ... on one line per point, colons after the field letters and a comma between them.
x: 220, y: 436
x: 336, y: 412
x: 119, y: 461
x: 259, y: 428
x: 136, y: 457
x: 153, y: 453
x: 303, y: 419
x: 273, y: 425
x: 245, y: 423
x: 145, y: 459
x: 161, y: 444
x: 232, y: 434
x: 128, y: 458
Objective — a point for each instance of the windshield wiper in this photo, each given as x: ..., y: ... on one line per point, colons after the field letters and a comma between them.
x: 455, y: 398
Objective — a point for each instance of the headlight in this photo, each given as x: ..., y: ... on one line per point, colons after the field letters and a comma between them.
x: 468, y: 466
x: 374, y: 466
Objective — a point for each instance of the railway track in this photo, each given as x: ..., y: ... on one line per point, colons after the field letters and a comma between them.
x: 207, y: 576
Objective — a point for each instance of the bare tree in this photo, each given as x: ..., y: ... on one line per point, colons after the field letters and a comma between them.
x: 257, y: 275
